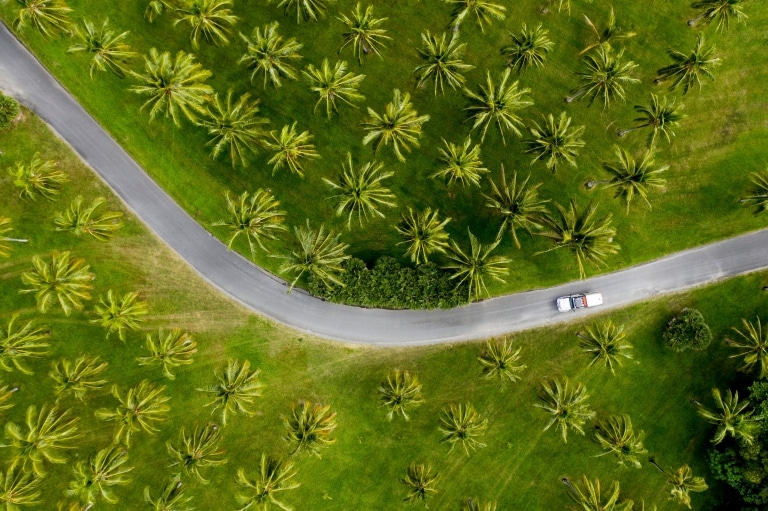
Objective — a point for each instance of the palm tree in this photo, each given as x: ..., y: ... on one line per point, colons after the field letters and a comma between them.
x: 210, y: 19
x: 290, y: 149
x: 683, y: 482
x: 363, y: 34
x: 687, y: 70
x: 305, y: 9
x: 399, y: 125
x: 662, y: 116
x: 38, y: 178
x: 172, y: 350
x: 77, y: 377
x: 255, y: 216
x: 473, y: 268
x: 332, y: 84
x: 157, y: 7
x: 498, y: 104
x: 758, y: 194
x: 109, y: 51
x: 198, y: 451
x: 605, y: 76
x: 49, y: 17
x: 236, y: 127
x: 6, y: 393
x: 753, y: 346
x: 555, y: 141
x: 174, y: 86
x: 120, y: 314
x: 274, y: 476
x: 65, y: 279
x: 499, y: 360
x: 420, y: 482
x: 482, y: 9
x: 590, y: 239
x: 720, y: 10
x: 17, y: 344
x: 604, y: 37
x: 567, y: 405
x: 424, y: 233
x: 79, y: 220
x: 605, y: 343
x: 461, y: 424
x: 519, y: 205
x: 20, y: 487
x: 95, y: 476
x: 461, y: 163
x: 616, y: 436
x: 443, y: 61
x: 141, y: 407
x: 733, y: 418
x: 5, y: 242
x: 310, y: 427
x: 270, y: 54
x: 171, y: 497
x: 48, y: 433
x: 589, y: 496
x: 631, y: 177
x: 360, y: 191
x: 318, y: 252
x: 529, y: 48
x: 476, y: 505
x: 236, y: 387
x: 401, y: 391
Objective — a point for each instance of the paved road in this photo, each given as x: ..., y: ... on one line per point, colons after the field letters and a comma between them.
x: 23, y: 77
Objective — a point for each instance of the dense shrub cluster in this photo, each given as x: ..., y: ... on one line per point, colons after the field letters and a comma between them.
x: 687, y: 330
x: 389, y: 285
x: 9, y: 109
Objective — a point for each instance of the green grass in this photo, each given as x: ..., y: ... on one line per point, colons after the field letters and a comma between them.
x: 717, y: 146
x: 521, y: 466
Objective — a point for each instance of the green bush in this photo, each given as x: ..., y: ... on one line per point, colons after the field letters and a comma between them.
x: 687, y: 330
x: 9, y: 109
x: 389, y: 285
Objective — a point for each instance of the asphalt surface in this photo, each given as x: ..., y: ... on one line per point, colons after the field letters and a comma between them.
x: 22, y: 76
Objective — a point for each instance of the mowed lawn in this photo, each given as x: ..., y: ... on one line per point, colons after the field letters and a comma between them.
x: 717, y: 146
x: 521, y: 466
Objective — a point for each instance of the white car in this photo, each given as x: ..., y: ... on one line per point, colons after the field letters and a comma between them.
x: 579, y: 301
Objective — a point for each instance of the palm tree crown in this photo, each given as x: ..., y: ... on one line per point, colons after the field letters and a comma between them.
x: 566, y: 404
x: 443, y: 61
x: 317, y: 252
x: 482, y: 9
x: 236, y: 387
x: 274, y: 476
x: 48, y: 433
x: 461, y: 163
x: 170, y: 350
x: 81, y: 220
x: 109, y: 50
x: 64, y: 279
x: 589, y: 239
x: 461, y: 424
x: 95, y: 476
x: 632, y: 177
x: 399, y: 125
x: 174, y: 86
x: 518, y: 204
x: 401, y: 391
x: 758, y: 194
x: 19, y: 487
x: 139, y: 409
x: 49, y: 17
x: 5, y: 242
x: 530, y: 47
x: 78, y: 377
x: 255, y: 216
x: 209, y: 19
x: 662, y: 116
x: 718, y: 10
x: 119, y: 314
x: 499, y: 104
x: 589, y: 496
x: 171, y: 498
x: 363, y: 34
x: 17, y: 344
x: 234, y: 127
x: 499, y: 360
x: 271, y: 54
x: 687, y: 70
x: 305, y: 9
x: 332, y: 84
x: 310, y: 427
x: 604, y: 77
x: 753, y: 346
x: 424, y: 233
x: 555, y: 141
x: 732, y: 418
x: 604, y: 37
x: 38, y: 178
x: 605, y: 343
x: 420, y: 482
x: 360, y: 191
x: 198, y: 450
x: 616, y: 436
x: 473, y: 268
x: 291, y: 148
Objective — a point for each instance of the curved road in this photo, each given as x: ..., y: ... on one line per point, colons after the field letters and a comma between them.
x: 22, y: 76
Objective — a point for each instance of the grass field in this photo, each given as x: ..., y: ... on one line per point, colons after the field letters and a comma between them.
x: 718, y: 144
x: 521, y: 465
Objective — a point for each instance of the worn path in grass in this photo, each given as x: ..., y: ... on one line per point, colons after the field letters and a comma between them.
x: 22, y: 76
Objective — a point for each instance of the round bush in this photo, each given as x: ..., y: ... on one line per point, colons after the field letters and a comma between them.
x: 9, y: 109
x: 687, y: 330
